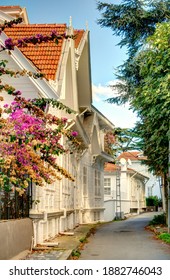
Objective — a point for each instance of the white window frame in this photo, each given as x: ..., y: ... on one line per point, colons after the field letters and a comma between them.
x: 107, y: 186
x: 97, y: 182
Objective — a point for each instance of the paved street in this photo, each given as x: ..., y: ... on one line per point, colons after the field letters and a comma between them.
x: 126, y: 240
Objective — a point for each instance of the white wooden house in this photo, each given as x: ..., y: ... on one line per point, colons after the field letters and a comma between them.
x: 63, y: 204
x: 136, y: 159
x: 136, y: 183
x: 124, y: 191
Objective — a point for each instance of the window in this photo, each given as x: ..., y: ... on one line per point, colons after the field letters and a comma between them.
x: 84, y: 180
x: 96, y: 216
x: 107, y: 186
x: 107, y: 191
x: 107, y: 182
x: 97, y: 183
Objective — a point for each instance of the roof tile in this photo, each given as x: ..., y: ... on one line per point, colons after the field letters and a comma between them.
x: 110, y: 167
x: 45, y: 56
x: 132, y: 155
x: 79, y: 35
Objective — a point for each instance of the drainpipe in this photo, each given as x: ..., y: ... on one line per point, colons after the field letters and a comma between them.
x: 39, y: 237
x: 62, y: 218
x: 62, y: 209
x: 45, y: 217
x: 61, y: 197
x: 138, y: 188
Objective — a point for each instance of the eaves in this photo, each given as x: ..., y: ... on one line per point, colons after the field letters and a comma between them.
x: 42, y: 85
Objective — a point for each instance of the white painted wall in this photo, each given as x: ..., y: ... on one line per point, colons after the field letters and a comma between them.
x: 109, y: 212
x: 132, y: 193
x: 23, y: 84
x: 152, y: 185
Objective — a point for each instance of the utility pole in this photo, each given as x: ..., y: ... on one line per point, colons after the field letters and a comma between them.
x: 118, y: 193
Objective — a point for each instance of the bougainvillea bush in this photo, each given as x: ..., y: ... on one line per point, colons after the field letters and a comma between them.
x: 30, y: 137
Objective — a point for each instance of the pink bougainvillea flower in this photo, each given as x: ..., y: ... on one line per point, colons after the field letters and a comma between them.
x: 74, y: 133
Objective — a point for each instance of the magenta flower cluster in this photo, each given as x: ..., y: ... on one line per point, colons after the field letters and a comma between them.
x: 30, y: 138
x: 37, y: 39
x: 10, y: 23
x: 25, y: 123
x: 9, y: 44
x: 74, y: 133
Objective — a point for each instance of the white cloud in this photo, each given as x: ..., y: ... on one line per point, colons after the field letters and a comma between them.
x: 120, y: 116
x: 102, y: 92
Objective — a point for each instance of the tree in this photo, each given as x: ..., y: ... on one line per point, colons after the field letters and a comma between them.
x: 153, y: 201
x: 29, y: 135
x: 144, y: 76
x: 144, y: 28
x: 121, y: 139
x: 151, y: 100
x: 133, y: 20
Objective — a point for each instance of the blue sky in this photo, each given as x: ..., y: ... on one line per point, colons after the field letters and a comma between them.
x: 105, y: 55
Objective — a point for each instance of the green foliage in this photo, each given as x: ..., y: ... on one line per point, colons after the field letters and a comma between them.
x: 153, y: 201
x: 133, y: 20
x: 145, y: 84
x: 121, y: 139
x: 151, y: 99
x: 127, y: 139
x: 76, y: 253
x: 158, y: 220
x: 144, y: 78
x: 165, y: 237
x: 43, y: 102
x: 83, y: 240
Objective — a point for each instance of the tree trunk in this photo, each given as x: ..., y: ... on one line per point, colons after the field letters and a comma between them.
x: 165, y: 187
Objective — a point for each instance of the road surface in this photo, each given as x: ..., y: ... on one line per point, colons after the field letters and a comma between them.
x: 125, y: 240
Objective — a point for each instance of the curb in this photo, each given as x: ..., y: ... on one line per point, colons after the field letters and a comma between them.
x: 65, y: 255
x: 78, y: 247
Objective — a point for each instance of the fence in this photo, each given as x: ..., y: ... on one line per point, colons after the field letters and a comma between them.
x: 14, y: 206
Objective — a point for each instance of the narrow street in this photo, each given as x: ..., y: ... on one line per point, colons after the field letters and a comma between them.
x: 125, y: 240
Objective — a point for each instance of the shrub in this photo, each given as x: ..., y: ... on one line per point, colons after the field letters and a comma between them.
x: 158, y: 220
x: 76, y: 253
x: 83, y: 240
x: 152, y: 201
x: 165, y: 237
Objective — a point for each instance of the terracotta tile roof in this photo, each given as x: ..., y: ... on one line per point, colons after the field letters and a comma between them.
x: 45, y: 56
x: 10, y: 7
x: 110, y: 167
x: 132, y: 155
x: 79, y: 34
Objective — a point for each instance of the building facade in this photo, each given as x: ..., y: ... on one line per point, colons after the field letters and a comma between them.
x: 124, y: 190
x: 136, y: 158
x: 64, y: 204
